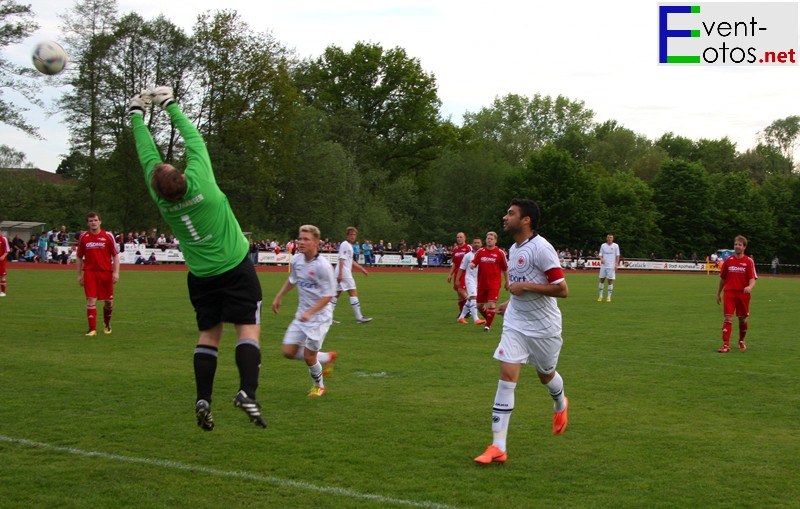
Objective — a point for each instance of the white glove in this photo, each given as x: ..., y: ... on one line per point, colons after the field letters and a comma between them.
x: 163, y: 96
x: 137, y: 105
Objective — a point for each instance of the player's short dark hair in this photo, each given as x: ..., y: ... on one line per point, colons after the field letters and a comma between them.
x: 528, y: 208
x: 91, y: 214
x: 168, y: 182
x: 742, y: 239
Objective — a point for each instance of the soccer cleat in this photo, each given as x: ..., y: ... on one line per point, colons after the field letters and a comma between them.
x: 724, y: 349
x: 203, y: 412
x: 462, y: 320
x: 608, y: 299
x: 480, y: 322
x: 2, y: 294
x: 327, y: 369
x: 91, y: 332
x: 491, y: 455
x: 742, y: 346
x: 107, y: 329
x: 560, y: 419
x: 600, y: 299
x: 335, y: 321
x: 364, y: 320
x: 316, y: 392
x: 250, y: 407
x: 486, y: 329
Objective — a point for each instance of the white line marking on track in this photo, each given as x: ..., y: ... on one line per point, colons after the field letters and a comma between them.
x: 225, y: 473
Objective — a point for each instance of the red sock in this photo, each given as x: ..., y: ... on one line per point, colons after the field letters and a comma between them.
x: 91, y: 314
x: 461, y: 303
x: 726, y: 332
x: 107, y: 315
x: 489, y: 316
x: 742, y: 330
x: 3, y: 287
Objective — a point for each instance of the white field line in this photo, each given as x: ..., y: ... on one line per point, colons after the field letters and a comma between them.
x: 225, y: 473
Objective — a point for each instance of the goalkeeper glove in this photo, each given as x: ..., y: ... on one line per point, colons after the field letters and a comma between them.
x: 163, y: 96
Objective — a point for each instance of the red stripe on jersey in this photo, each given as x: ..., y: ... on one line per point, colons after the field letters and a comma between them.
x: 554, y: 275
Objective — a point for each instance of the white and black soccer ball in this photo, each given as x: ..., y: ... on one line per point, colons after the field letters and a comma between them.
x: 49, y: 57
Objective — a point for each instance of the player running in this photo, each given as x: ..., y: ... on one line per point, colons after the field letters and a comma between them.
x: 492, y: 265
x: 531, y: 325
x: 316, y: 286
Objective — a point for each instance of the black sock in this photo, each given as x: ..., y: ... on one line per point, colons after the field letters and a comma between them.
x: 248, y: 360
x: 205, y: 367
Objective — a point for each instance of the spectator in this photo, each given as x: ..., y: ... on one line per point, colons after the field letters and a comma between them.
x: 775, y: 266
x: 152, y: 259
x: 62, y: 237
x: 18, y: 248
x: 139, y: 259
x: 379, y: 250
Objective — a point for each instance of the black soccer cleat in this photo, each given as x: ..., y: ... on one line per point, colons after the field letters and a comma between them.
x: 203, y: 412
x: 250, y: 407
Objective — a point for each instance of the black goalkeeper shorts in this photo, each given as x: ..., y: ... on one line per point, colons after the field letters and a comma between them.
x: 233, y: 297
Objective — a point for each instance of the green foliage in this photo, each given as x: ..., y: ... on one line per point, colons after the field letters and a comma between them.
x: 16, y: 23
x: 408, y: 406
x: 632, y: 215
x: 784, y: 134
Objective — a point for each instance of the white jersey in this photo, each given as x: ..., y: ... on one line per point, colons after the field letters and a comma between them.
x: 345, y: 262
x: 533, y: 314
x: 609, y: 253
x: 471, y: 275
x: 314, y: 280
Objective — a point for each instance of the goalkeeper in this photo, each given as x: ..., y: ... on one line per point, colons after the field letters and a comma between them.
x: 223, y: 285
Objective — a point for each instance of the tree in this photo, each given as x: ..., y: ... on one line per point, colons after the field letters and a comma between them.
x: 520, y: 125
x: 784, y: 134
x: 12, y: 158
x: 763, y: 161
x: 717, y: 156
x: 615, y: 147
x: 682, y: 195
x: 677, y: 147
x: 632, y: 215
x: 16, y: 23
x: 572, y: 213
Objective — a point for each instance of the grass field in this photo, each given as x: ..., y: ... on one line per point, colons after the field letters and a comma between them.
x: 657, y: 417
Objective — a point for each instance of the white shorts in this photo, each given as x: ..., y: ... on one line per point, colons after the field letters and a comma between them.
x: 308, y: 335
x: 517, y: 348
x: 472, y: 288
x: 607, y: 273
x: 347, y: 284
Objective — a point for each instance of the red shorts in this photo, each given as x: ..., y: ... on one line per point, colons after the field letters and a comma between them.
x: 487, y: 295
x: 460, y: 283
x: 738, y: 302
x: 98, y: 284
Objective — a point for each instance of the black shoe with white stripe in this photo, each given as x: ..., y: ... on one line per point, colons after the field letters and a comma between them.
x: 250, y: 407
x: 203, y: 412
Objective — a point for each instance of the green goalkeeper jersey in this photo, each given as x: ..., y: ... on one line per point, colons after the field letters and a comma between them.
x: 210, y: 236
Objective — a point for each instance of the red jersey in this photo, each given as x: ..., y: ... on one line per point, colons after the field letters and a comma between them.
x: 420, y: 252
x: 98, y: 251
x: 458, y: 256
x: 737, y: 272
x: 491, y: 264
x: 5, y: 248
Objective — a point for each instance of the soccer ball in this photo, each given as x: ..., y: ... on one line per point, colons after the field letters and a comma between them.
x: 49, y: 57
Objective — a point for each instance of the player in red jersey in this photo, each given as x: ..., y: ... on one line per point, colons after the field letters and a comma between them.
x: 5, y: 248
x: 98, y: 271
x: 459, y: 283
x: 492, y: 264
x: 737, y: 277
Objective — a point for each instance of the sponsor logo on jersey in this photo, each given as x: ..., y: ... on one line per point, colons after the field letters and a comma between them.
x: 91, y: 245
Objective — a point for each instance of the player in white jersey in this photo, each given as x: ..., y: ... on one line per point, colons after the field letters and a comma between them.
x: 344, y: 275
x: 316, y: 286
x: 531, y: 324
x: 471, y: 283
x: 609, y: 260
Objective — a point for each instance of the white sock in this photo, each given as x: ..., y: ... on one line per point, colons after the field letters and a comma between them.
x: 356, y: 307
x: 610, y: 289
x: 316, y: 374
x: 464, y: 310
x: 333, y: 304
x: 601, y: 291
x: 323, y: 357
x: 473, y: 308
x: 556, y: 388
x: 501, y: 412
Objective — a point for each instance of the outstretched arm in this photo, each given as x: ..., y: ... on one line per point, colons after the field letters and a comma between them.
x: 198, y: 162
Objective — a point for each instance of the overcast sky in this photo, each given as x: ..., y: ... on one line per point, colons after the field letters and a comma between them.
x: 602, y: 53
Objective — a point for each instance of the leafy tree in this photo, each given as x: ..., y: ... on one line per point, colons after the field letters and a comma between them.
x: 12, y: 158
x: 763, y: 161
x: 782, y: 193
x: 520, y: 125
x: 572, y: 212
x: 615, y: 147
x: 16, y: 23
x: 677, y: 147
x: 784, y: 134
x: 632, y: 215
x: 717, y: 156
x: 682, y: 195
